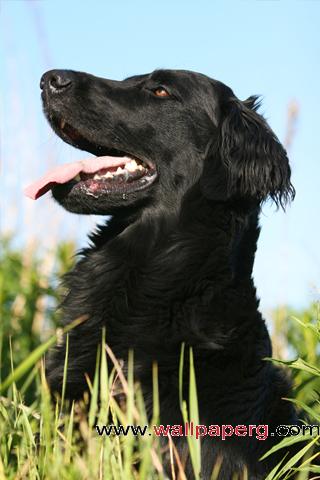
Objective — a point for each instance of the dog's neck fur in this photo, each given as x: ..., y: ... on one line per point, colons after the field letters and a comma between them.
x: 177, y: 263
x: 185, y: 238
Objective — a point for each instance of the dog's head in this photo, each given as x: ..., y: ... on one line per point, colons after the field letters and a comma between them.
x: 156, y: 136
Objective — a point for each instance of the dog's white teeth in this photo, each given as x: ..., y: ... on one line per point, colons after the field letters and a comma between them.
x: 77, y: 178
x: 62, y: 124
x: 131, y: 166
x: 127, y: 169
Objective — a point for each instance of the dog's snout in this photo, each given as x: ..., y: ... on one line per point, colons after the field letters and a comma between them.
x: 56, y: 81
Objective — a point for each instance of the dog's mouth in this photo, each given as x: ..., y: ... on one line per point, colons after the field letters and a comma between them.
x: 110, y: 172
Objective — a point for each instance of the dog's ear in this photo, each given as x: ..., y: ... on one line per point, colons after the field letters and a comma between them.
x: 249, y: 161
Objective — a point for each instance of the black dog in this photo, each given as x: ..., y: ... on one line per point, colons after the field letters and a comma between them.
x: 184, y: 168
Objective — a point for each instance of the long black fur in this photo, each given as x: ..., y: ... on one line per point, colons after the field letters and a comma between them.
x: 174, y: 263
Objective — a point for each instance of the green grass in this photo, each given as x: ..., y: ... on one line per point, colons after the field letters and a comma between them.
x: 39, y: 440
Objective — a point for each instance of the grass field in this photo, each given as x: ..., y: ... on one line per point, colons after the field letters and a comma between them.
x: 39, y: 440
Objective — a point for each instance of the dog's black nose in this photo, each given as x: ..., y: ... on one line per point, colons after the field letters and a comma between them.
x: 56, y: 81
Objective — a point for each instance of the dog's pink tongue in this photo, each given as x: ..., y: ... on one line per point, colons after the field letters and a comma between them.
x: 65, y: 173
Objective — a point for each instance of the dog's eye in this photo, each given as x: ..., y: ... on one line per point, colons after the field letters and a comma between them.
x: 161, y: 92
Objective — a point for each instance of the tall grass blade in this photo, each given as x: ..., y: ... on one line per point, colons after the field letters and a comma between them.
x: 32, y: 359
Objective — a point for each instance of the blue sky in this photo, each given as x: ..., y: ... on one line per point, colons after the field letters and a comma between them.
x: 267, y: 47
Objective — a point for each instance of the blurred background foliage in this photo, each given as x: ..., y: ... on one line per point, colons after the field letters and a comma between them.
x: 29, y: 296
